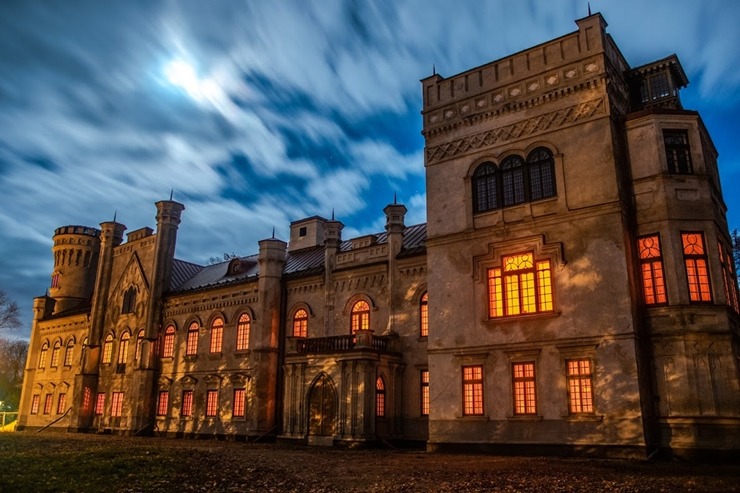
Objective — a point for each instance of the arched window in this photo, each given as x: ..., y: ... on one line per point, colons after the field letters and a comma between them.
x: 139, y: 341
x: 217, y: 335
x: 512, y: 180
x: 129, y: 301
x: 55, y: 354
x: 192, y: 342
x: 168, y: 345
x: 300, y: 323
x: 68, y: 352
x: 108, y: 349
x: 379, y: 398
x: 242, y: 332
x: 42, y: 355
x: 360, y: 318
x: 485, y: 188
x: 522, y: 285
x: 424, y: 315
x: 123, y: 348
x: 541, y: 174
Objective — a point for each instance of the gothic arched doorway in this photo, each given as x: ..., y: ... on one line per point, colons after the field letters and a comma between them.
x: 322, y: 408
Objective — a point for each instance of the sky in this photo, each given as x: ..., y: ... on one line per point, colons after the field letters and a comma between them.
x: 258, y: 113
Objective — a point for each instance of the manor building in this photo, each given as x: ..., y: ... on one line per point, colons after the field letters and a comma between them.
x: 572, y: 290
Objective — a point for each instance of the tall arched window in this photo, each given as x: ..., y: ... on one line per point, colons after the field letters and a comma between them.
x: 191, y: 347
x: 424, y: 315
x: 360, y: 318
x: 512, y: 180
x: 242, y: 332
x: 108, y: 349
x: 139, y: 341
x: 541, y: 174
x: 129, y: 301
x: 55, y: 354
x: 300, y: 323
x: 168, y: 344
x: 217, y: 335
x: 123, y: 348
x: 42, y: 355
x: 68, y: 352
x: 485, y: 188
x: 379, y: 398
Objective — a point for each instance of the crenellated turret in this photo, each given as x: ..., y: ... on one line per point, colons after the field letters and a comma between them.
x: 75, y: 250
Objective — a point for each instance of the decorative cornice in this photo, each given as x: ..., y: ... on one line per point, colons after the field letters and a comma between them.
x: 524, y: 128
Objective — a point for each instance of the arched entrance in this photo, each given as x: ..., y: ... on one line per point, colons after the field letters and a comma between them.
x: 322, y: 409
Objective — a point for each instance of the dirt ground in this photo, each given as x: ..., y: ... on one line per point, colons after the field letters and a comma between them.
x: 53, y: 462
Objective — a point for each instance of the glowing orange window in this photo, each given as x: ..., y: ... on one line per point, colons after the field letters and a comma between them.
x: 61, y: 403
x: 108, y: 349
x: 651, y: 264
x: 86, y: 400
x: 424, y: 392
x: 360, y: 319
x: 472, y: 390
x: 217, y: 335
x: 192, y: 341
x: 580, y: 386
x: 242, y: 332
x: 68, y: 352
x: 163, y: 402
x: 35, y: 404
x: 211, y: 403
x: 697, y: 272
x: 55, y: 354
x: 48, y: 403
x: 524, y: 388
x: 168, y: 347
x: 100, y: 404
x: 187, y: 403
x: 42, y: 355
x: 380, y: 398
x: 116, y: 404
x: 731, y: 294
x: 240, y: 397
x: 300, y: 323
x: 424, y: 315
x: 123, y: 348
x: 520, y: 286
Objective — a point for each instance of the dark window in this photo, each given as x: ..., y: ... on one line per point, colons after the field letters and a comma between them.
x: 512, y: 179
x: 485, y: 193
x: 659, y: 87
x: 302, y: 231
x: 541, y: 174
x: 129, y: 301
x: 678, y: 153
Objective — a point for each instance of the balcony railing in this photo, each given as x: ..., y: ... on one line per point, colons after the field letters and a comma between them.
x: 362, y: 340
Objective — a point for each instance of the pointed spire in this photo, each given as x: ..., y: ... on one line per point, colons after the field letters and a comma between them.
x: 332, y: 213
x: 172, y: 191
x: 115, y: 214
x: 434, y: 69
x: 273, y: 232
x: 395, y: 198
x: 589, y: 8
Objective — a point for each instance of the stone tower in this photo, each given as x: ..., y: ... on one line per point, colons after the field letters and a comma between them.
x: 75, y: 250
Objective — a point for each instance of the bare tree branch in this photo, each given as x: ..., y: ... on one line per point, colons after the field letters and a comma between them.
x: 9, y: 312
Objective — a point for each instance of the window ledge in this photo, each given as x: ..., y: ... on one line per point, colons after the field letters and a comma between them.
x: 520, y: 318
x: 472, y: 418
x: 525, y: 417
x: 242, y: 354
x: 597, y: 418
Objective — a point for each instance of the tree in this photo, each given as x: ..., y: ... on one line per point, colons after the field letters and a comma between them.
x: 12, y: 362
x: 9, y: 312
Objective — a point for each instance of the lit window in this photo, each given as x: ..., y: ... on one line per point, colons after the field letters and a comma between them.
x: 379, y: 398
x: 424, y: 315
x: 730, y: 281
x: 129, y: 301
x: 55, y: 354
x: 47, y: 403
x: 55, y: 281
x: 116, y: 406
x: 242, y: 332
x: 192, y: 343
x: 108, y: 349
x: 424, y: 392
x: 695, y: 258
x: 100, y: 404
x: 485, y: 188
x: 162, y: 402
x: 86, y: 399
x: 211, y: 403
x: 678, y: 152
x: 35, y: 404
x: 187, y: 403
x: 168, y: 346
x: 123, y: 348
x: 521, y: 286
x: 61, y: 403
x: 42, y: 355
x: 473, y: 390
x: 139, y: 342
x: 240, y: 396
x: 580, y: 386
x: 360, y: 318
x: 68, y: 352
x: 300, y: 323
x: 651, y: 264
x: 512, y: 180
x: 524, y: 388
x: 217, y: 335
x: 541, y: 167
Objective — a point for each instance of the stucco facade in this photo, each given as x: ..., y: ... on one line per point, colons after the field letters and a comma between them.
x: 570, y: 291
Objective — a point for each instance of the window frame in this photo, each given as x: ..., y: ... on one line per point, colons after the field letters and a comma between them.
x: 528, y: 393
x: 380, y: 402
x: 359, y: 316
x: 186, y: 405
x: 163, y: 402
x: 69, y: 353
x: 168, y: 342
x: 216, y: 343
x: 35, y: 402
x: 239, y: 404
x: 108, y: 349
x: 191, y: 341
x: 696, y: 263
x: 116, y: 406
x: 473, y: 390
x: 537, y: 280
x: 424, y: 392
x: 212, y: 403
x: 61, y: 402
x: 424, y: 315
x: 676, y: 152
x: 43, y: 354
x: 56, y: 349
x: 243, y: 330
x: 48, y: 403
x: 99, y: 404
x: 652, y: 270
x: 580, y: 386
x: 300, y: 323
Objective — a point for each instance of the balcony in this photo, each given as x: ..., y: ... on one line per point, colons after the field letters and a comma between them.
x: 363, y: 340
